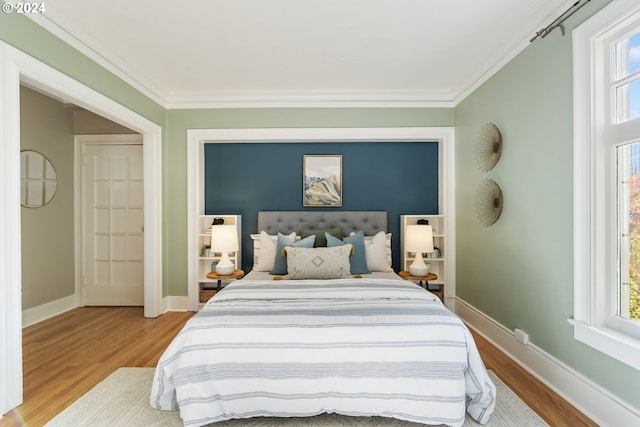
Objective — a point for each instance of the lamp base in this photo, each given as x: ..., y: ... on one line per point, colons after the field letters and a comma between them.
x: 225, y: 267
x: 418, y: 272
x: 418, y: 267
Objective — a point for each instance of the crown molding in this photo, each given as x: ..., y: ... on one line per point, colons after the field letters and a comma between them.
x: 249, y: 99
x: 491, y: 68
x: 495, y: 63
x: 113, y: 65
x: 283, y: 99
x: 311, y: 99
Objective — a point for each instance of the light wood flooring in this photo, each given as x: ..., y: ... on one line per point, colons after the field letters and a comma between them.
x: 64, y: 357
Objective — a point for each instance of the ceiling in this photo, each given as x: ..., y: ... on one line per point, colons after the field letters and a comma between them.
x: 226, y: 53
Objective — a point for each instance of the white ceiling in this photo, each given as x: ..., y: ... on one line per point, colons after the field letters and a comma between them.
x: 208, y: 53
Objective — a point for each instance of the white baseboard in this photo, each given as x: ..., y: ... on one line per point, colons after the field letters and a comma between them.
x: 42, y: 312
x: 175, y: 304
x: 591, y: 399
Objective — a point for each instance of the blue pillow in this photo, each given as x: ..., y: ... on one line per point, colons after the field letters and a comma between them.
x: 358, y: 259
x: 280, y: 262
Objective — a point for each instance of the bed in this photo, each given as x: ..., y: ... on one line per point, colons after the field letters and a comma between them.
x: 294, y: 345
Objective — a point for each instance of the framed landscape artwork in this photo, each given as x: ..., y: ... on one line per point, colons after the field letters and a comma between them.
x: 322, y: 175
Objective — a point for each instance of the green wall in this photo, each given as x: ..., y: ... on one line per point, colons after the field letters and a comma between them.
x: 179, y: 121
x: 520, y: 271
x: 48, y: 270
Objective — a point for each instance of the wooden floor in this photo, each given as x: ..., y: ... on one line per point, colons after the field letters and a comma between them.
x: 66, y: 356
x: 556, y: 411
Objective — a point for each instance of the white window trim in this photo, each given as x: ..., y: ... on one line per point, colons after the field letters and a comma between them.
x: 592, y: 220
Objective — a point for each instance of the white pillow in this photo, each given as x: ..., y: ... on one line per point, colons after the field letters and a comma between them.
x: 377, y: 250
x: 264, y: 250
x: 318, y: 263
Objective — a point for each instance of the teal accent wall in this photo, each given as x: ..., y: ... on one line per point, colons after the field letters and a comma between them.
x: 375, y: 176
x: 520, y: 271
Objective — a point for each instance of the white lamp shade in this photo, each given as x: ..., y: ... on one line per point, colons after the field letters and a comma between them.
x: 419, y: 239
x: 224, y: 238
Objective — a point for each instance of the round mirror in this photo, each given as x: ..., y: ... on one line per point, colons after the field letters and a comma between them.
x: 38, y: 181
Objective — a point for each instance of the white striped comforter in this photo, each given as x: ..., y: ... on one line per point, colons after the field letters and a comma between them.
x: 300, y: 348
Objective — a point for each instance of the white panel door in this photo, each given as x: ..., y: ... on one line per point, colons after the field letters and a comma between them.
x: 113, y: 230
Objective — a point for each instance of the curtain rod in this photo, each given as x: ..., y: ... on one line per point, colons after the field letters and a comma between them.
x: 559, y: 20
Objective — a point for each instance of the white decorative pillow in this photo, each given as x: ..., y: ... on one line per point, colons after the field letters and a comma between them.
x: 318, y: 263
x: 378, y: 251
x: 264, y: 250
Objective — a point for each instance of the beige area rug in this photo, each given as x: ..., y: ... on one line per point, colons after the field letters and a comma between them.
x: 122, y: 399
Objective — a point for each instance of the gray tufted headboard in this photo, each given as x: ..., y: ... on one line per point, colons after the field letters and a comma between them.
x: 287, y: 222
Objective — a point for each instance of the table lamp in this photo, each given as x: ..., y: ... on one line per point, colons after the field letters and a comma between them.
x: 419, y: 240
x: 224, y: 239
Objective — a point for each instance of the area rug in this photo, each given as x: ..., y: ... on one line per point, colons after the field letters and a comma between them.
x: 122, y: 400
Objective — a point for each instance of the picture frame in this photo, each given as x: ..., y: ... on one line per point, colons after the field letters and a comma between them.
x: 322, y: 180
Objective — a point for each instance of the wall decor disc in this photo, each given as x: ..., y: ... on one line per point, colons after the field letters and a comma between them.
x: 488, y: 147
x: 489, y: 202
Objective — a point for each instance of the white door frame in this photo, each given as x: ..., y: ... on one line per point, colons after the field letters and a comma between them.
x: 17, y: 67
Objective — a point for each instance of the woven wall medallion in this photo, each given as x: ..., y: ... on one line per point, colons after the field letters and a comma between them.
x: 489, y: 202
x: 488, y: 147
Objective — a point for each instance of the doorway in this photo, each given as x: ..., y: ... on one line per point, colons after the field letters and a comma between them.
x: 17, y: 67
x: 111, y: 220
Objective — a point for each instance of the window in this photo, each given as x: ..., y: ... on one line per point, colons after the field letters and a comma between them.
x: 607, y: 181
x: 625, y: 83
x: 627, y: 295
x: 625, y: 93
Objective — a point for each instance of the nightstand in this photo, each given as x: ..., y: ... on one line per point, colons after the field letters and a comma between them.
x: 237, y: 274
x: 439, y: 292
